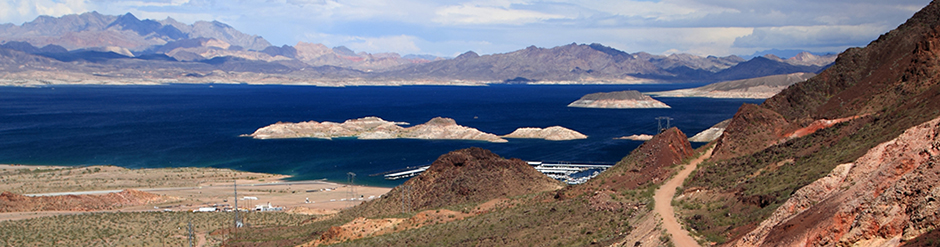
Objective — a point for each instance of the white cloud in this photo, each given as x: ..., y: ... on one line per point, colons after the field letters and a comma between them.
x: 402, y: 44
x: 19, y: 11
x: 445, y: 27
x: 468, y: 14
x: 666, y: 10
x: 798, y: 37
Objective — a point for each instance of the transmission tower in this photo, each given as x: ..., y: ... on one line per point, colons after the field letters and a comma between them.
x: 238, y: 222
x: 351, y: 181
x: 405, y: 198
x: 663, y: 128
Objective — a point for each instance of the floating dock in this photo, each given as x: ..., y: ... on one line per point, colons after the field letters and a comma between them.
x: 559, y: 170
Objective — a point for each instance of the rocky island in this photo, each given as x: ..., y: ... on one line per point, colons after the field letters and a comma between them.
x: 618, y: 100
x: 640, y: 137
x: 554, y: 133
x: 753, y: 88
x: 438, y: 128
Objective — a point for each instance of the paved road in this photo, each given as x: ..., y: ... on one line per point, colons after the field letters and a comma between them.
x: 217, y: 185
x: 663, y: 204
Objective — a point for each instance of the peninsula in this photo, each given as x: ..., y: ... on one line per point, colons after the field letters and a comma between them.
x: 618, y: 100
x: 753, y: 88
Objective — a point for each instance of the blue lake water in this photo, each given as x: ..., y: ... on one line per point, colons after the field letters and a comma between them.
x: 199, y: 125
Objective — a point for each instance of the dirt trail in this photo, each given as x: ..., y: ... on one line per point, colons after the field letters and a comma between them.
x: 663, y: 202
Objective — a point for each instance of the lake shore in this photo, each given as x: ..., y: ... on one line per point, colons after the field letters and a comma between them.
x: 190, y: 188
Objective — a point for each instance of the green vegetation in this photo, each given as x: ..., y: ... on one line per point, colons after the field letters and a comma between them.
x: 133, y: 229
x: 24, y: 179
x: 540, y: 220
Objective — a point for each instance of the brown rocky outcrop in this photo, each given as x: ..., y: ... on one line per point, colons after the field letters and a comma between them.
x: 885, y: 197
x: 469, y: 175
x: 618, y: 100
x: 648, y: 163
x: 10, y: 202
x: 554, y: 133
x: 752, y: 128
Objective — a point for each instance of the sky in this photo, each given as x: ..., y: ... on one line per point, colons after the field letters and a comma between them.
x: 451, y: 27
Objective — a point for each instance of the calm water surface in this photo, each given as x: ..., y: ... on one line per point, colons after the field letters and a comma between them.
x: 199, y: 125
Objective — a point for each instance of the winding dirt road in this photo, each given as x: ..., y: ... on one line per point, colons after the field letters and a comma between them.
x: 663, y: 203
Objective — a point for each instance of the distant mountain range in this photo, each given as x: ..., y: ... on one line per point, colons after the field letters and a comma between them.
x: 92, y: 48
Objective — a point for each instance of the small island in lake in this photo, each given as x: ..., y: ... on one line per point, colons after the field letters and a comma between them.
x: 640, y: 137
x: 554, y: 133
x: 438, y: 128
x: 375, y: 128
x: 618, y: 100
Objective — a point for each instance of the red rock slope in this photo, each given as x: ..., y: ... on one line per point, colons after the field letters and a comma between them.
x: 885, y: 197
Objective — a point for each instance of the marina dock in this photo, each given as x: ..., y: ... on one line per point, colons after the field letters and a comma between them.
x: 568, y: 172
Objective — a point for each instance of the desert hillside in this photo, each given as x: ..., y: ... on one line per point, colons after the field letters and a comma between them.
x: 809, y: 131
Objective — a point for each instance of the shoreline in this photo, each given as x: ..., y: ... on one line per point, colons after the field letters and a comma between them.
x: 315, y: 197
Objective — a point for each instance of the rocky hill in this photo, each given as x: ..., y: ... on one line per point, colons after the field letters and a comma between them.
x: 618, y: 100
x: 472, y: 175
x: 826, y: 132
x: 647, y: 164
x: 753, y: 88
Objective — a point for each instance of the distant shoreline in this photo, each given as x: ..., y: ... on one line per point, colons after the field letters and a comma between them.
x: 150, y: 82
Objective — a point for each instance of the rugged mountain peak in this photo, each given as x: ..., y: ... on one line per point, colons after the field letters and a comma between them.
x: 130, y: 22
x: 468, y: 55
x: 342, y: 50
x: 773, y: 57
x: 609, y: 50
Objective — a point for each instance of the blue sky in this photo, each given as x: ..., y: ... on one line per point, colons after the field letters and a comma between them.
x: 451, y: 27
